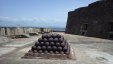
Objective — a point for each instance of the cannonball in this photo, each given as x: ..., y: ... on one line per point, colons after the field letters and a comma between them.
x: 56, y: 39
x: 44, y: 47
x: 49, y: 48
x: 54, y: 48
x: 38, y: 47
x: 51, y: 52
x: 47, y: 35
x: 65, y: 48
x: 47, y: 43
x: 62, y: 52
x: 61, y: 39
x: 57, y: 44
x: 54, y: 35
x: 50, y: 39
x: 44, y: 36
x: 30, y: 51
x: 41, y: 43
x: 45, y: 39
x: 59, y: 48
x: 40, y: 40
x: 67, y: 53
x: 56, y: 52
x: 40, y: 51
x: 45, y: 51
x: 58, y: 36
x: 37, y: 43
x: 35, y: 51
x: 63, y: 44
x: 52, y: 43
x: 33, y: 48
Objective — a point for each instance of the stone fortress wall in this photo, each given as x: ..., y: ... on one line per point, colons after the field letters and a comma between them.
x: 95, y: 20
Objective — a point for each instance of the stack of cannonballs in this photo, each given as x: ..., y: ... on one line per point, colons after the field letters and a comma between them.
x: 50, y: 46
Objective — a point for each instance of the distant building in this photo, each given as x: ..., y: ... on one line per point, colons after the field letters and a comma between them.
x: 95, y: 20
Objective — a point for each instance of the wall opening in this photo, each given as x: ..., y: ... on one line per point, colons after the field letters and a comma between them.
x: 84, y: 27
x: 83, y: 30
x: 110, y: 30
x: 110, y: 26
x: 111, y: 36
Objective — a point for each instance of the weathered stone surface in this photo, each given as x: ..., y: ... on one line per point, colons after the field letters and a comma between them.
x: 98, y: 17
x: 86, y: 50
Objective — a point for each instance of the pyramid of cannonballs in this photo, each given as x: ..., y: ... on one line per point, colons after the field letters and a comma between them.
x: 50, y: 45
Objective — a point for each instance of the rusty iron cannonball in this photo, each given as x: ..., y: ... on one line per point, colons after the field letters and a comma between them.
x: 55, y: 48
x: 40, y: 40
x: 50, y: 39
x: 56, y: 40
x: 33, y: 48
x: 57, y: 44
x: 63, y: 44
x: 35, y: 51
x: 54, y: 35
x: 52, y: 43
x: 46, y: 43
x: 47, y: 35
x: 51, y: 52
x: 44, y: 36
x: 45, y: 40
x: 45, y: 51
x: 61, y: 39
x: 58, y: 36
x: 37, y: 43
x: 65, y: 49
x: 56, y: 52
x: 49, y: 48
x: 59, y: 48
x: 38, y: 47
x: 41, y: 43
x: 40, y: 51
x: 43, y: 47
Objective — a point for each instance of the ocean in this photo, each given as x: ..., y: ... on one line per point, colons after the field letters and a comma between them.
x: 58, y: 29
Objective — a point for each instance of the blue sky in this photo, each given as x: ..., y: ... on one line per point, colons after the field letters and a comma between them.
x: 40, y: 13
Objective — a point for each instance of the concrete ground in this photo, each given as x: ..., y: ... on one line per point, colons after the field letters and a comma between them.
x: 86, y: 50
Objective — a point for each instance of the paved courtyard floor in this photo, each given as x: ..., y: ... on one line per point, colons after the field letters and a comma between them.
x: 87, y: 50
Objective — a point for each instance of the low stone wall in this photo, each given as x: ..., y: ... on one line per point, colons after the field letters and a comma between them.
x: 8, y: 31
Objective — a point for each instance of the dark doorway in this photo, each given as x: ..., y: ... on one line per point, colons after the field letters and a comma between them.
x: 111, y: 36
x: 110, y: 30
x: 110, y: 26
x: 83, y: 30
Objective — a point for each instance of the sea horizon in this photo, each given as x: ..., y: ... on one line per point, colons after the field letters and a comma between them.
x: 54, y: 29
